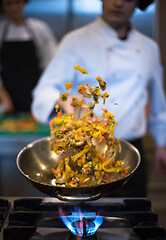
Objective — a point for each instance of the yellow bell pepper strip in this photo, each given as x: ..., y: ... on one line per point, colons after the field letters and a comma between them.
x: 72, y: 183
x: 68, y: 85
x: 97, y: 174
x: 108, y: 115
x: 58, y: 152
x: 102, y: 129
x: 112, y: 169
x: 78, y: 155
x: 68, y: 168
x: 105, y: 95
x: 82, y: 70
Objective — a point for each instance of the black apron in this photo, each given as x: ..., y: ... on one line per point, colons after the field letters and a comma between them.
x: 19, y: 70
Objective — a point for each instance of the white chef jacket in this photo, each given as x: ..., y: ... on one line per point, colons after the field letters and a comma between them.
x: 131, y: 69
x: 40, y: 32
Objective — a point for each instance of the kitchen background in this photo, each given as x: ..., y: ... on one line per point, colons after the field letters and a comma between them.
x: 63, y: 16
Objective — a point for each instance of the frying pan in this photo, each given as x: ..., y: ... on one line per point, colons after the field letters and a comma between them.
x: 36, y: 160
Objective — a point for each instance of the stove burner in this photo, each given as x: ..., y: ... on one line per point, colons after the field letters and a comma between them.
x: 39, y: 219
x: 76, y: 237
x: 83, y: 224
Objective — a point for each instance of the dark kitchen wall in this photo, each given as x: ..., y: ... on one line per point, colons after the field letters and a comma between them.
x: 65, y: 15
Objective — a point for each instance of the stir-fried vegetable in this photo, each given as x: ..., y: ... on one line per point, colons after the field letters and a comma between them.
x: 82, y: 70
x: 81, y: 163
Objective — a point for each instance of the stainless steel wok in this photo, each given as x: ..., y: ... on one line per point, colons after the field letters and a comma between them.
x: 36, y: 160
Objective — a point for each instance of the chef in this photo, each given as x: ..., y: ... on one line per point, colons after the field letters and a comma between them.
x: 26, y: 47
x: 129, y: 63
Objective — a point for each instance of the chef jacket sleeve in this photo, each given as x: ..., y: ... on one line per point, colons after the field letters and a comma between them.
x: 157, y: 117
x: 52, y: 80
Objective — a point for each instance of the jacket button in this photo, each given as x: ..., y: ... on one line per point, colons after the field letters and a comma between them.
x: 110, y: 49
x: 139, y: 75
x: 138, y: 50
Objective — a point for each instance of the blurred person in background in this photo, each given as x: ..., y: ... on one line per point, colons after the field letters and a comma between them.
x: 27, y: 45
x: 129, y: 63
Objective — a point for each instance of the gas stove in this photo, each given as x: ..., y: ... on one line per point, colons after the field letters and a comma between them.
x: 52, y: 219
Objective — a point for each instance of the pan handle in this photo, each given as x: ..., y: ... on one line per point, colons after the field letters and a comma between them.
x: 78, y: 198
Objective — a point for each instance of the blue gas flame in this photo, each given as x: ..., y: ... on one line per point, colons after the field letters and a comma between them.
x: 78, y: 221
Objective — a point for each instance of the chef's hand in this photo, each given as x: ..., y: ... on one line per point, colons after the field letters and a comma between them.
x: 66, y: 105
x: 6, y: 101
x: 160, y: 159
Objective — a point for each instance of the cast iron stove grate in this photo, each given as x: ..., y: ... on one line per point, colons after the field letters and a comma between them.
x: 35, y: 219
x: 4, y: 209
